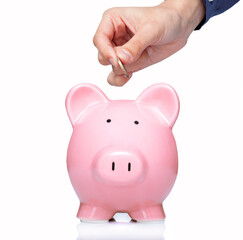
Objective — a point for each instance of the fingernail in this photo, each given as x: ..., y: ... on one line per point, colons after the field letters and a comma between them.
x: 124, y: 55
x: 130, y: 75
x: 149, y: 51
x: 113, y: 63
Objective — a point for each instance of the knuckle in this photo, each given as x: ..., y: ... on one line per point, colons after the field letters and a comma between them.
x: 95, y: 39
x: 102, y: 60
x: 109, y: 11
x: 106, y: 13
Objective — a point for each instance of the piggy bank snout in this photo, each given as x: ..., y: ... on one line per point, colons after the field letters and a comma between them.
x: 119, y: 167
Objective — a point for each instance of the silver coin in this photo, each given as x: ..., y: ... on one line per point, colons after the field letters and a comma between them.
x: 123, y: 68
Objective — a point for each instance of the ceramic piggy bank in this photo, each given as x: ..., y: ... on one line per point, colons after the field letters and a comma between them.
x: 122, y: 156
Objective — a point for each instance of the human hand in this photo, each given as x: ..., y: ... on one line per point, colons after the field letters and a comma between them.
x: 142, y: 36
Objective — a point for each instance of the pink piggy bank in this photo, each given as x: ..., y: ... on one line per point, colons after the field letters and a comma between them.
x: 122, y: 156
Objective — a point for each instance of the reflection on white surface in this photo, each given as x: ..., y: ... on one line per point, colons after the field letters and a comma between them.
x: 121, y: 229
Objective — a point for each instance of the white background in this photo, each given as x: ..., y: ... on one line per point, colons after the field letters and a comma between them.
x: 45, y: 49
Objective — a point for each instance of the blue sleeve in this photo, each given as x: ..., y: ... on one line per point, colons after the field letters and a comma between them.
x: 215, y: 7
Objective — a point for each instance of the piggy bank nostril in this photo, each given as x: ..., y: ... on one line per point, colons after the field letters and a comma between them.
x: 129, y: 167
x: 113, y: 166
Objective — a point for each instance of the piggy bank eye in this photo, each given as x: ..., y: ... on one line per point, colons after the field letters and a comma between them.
x: 136, y: 122
x: 108, y: 120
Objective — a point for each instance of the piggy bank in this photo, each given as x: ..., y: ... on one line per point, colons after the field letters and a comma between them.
x: 122, y: 156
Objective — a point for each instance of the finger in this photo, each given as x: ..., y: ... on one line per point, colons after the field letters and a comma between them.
x: 142, y: 62
x: 121, y: 41
x: 103, y: 38
x: 117, y: 80
x: 143, y: 38
x: 102, y: 60
x: 120, y: 69
x: 124, y: 37
x: 154, y: 55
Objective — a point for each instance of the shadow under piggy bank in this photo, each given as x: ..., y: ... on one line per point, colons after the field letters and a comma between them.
x: 121, y: 228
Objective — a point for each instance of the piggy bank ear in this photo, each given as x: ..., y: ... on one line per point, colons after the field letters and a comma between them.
x: 164, y: 99
x: 82, y: 97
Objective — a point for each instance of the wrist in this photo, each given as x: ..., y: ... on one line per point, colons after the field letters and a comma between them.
x: 191, y: 11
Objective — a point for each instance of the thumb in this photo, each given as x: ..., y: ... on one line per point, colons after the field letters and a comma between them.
x: 132, y: 50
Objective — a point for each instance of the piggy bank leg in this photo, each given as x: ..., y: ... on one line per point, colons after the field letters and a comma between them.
x: 152, y: 213
x: 89, y: 213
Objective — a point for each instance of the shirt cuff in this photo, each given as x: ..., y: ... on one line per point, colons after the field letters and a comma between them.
x: 215, y: 7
